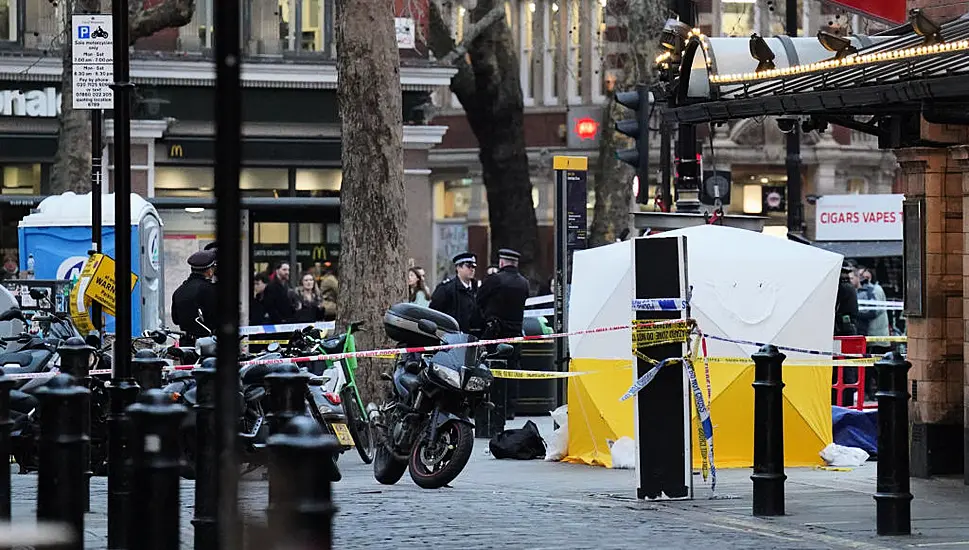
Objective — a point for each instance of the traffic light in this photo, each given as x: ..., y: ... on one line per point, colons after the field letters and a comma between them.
x: 638, y: 129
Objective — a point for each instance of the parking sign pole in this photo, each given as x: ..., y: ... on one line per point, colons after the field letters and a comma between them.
x: 97, y: 147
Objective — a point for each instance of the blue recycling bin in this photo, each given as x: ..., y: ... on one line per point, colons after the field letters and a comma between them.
x: 58, y: 236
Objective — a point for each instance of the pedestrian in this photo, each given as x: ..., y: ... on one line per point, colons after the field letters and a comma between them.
x: 456, y: 296
x: 417, y: 291
x: 501, y: 299
x: 257, y: 308
x: 329, y: 290
x: 276, y: 297
x: 193, y: 302
x: 310, y: 300
x: 866, y: 313
x: 846, y: 304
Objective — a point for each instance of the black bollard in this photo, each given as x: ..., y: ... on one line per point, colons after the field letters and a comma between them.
x: 146, y: 369
x: 893, y: 499
x: 206, y: 460
x: 121, y: 393
x: 287, y: 395
x: 300, y: 506
x: 6, y: 384
x: 77, y: 357
x: 60, y: 478
x: 768, y: 476
x: 155, y: 455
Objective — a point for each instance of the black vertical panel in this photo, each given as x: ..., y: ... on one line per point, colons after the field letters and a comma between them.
x: 663, y: 449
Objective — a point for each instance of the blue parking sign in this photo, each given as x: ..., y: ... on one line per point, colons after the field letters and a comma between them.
x: 83, y: 31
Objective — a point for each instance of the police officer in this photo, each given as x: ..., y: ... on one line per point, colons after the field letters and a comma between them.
x: 501, y: 299
x: 456, y: 296
x: 196, y: 294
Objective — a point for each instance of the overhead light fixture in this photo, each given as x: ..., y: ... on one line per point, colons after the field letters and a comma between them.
x: 194, y: 210
x: 925, y: 27
x: 674, y: 35
x: 760, y: 51
x: 833, y: 43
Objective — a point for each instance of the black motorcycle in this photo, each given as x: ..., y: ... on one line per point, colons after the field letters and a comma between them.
x: 426, y: 425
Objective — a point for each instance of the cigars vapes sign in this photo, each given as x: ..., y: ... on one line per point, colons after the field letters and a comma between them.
x: 889, y: 11
x: 859, y: 218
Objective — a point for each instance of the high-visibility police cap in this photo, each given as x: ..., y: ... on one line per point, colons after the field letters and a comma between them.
x: 203, y: 259
x: 509, y: 254
x: 465, y: 258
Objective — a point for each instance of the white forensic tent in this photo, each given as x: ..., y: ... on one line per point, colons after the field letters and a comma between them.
x: 745, y: 286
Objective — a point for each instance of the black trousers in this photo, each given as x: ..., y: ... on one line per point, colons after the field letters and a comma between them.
x: 503, y: 393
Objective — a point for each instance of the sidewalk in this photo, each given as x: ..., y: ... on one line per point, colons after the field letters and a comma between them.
x: 550, y: 505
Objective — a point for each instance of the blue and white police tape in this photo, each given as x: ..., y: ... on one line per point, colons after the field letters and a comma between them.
x: 660, y: 304
x: 880, y: 304
x: 539, y: 312
x: 274, y: 329
x: 645, y: 379
x: 536, y: 300
x: 782, y: 348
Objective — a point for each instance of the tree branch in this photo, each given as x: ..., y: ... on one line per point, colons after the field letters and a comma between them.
x: 442, y: 44
x: 169, y: 14
x: 473, y: 31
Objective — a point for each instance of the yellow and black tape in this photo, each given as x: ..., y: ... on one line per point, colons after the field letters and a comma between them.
x: 646, y: 335
x: 542, y: 375
x: 891, y: 339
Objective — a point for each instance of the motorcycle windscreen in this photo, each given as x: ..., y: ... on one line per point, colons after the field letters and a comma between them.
x: 457, y: 357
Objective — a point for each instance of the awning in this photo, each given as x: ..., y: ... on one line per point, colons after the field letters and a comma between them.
x: 862, y: 249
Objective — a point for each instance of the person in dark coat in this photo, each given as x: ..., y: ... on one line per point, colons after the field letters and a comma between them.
x: 501, y: 299
x: 277, y: 298
x: 196, y: 294
x: 846, y: 305
x: 456, y: 296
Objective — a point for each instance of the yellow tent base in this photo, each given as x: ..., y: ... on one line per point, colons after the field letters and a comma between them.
x: 596, y: 414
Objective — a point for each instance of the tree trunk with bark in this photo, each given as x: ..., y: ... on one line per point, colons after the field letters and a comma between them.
x: 644, y: 20
x: 72, y: 161
x: 372, y: 221
x: 489, y: 89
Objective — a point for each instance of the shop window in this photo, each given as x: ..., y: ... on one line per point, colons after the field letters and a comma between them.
x: 8, y: 20
x: 552, y: 63
x: 318, y: 183
x: 306, y: 25
x: 574, y: 73
x: 184, y: 181
x: 600, y: 84
x: 737, y: 17
x: 452, y: 199
x: 526, y: 47
x: 270, y: 233
x: 753, y: 199
x: 264, y: 182
x: 21, y: 179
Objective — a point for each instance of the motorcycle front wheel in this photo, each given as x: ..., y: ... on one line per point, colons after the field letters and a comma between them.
x: 434, y: 464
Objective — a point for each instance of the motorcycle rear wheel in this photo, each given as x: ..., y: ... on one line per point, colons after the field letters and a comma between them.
x: 459, y: 442
x: 358, y: 425
x: 386, y: 468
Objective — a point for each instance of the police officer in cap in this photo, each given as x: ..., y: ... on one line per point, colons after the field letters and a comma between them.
x: 501, y: 299
x: 196, y: 294
x: 456, y: 296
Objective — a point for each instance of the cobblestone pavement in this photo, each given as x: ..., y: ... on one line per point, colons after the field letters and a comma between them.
x: 539, y: 505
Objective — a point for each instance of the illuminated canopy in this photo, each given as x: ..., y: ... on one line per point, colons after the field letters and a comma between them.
x: 887, y: 74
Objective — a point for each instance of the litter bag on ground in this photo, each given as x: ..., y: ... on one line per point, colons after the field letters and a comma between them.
x: 521, y: 444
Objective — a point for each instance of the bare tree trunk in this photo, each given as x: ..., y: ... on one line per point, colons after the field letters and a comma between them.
x: 489, y: 89
x: 613, y: 180
x: 372, y: 222
x: 72, y: 161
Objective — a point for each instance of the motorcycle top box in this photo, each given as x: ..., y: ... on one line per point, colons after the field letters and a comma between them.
x: 400, y: 324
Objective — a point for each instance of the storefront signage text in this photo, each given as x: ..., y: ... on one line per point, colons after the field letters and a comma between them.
x: 859, y: 218
x: 30, y: 103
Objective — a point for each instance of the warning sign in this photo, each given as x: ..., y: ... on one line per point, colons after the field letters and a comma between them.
x: 101, y: 287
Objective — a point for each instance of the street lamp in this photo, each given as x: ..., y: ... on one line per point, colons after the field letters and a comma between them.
x: 760, y: 51
x: 833, y: 43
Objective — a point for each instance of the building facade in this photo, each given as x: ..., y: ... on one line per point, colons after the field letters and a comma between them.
x: 291, y: 128
x: 566, y: 49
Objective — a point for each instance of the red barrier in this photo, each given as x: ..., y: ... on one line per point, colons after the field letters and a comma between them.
x: 850, y: 345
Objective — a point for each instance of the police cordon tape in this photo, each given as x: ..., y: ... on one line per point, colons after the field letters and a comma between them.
x: 670, y: 331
